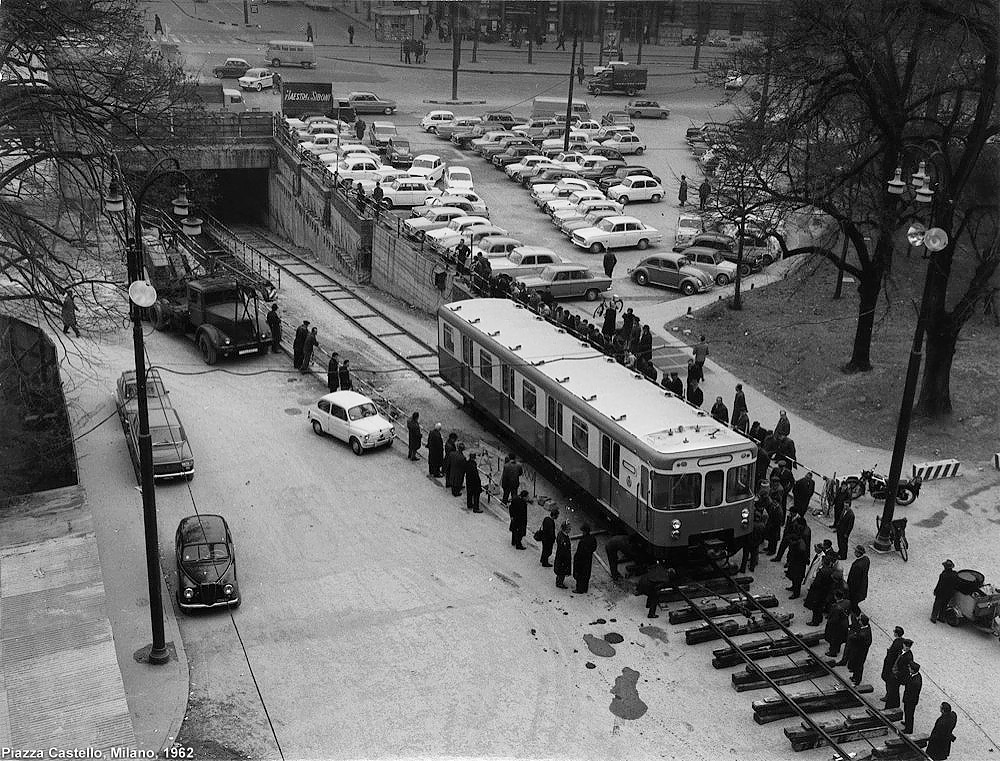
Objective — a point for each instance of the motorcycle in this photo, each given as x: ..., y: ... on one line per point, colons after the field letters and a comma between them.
x: 974, y: 601
x: 878, y: 486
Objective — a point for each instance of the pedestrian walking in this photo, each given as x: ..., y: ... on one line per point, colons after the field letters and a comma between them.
x: 682, y: 191
x: 720, y: 412
x: 561, y: 39
x: 157, y: 24
x: 751, y: 543
x: 943, y: 590
x: 579, y: 73
x: 859, y: 640
x: 802, y: 493
x: 701, y: 354
x: 841, y: 500
x: 301, y: 333
x: 740, y: 401
x: 619, y: 547
x: 891, y: 654
x: 519, y: 519
x: 795, y: 527
x: 309, y: 32
x: 772, y: 531
x: 741, y: 422
x: 359, y: 128
x: 458, y: 470
x: 547, y: 536
x: 361, y: 200
x: 819, y: 591
x: 704, y: 191
x: 435, y: 451
x: 837, y: 623
x: 844, y: 528
x: 942, y: 736
x: 473, y: 484
x: 510, y: 477
x: 407, y: 46
x: 413, y: 436
x: 333, y: 372
x: 911, y: 696
x: 308, y: 347
x: 784, y: 448
x: 450, y: 448
x: 274, y: 324
x: 345, y: 376
x: 857, y: 579
x: 377, y: 195
x: 428, y: 26
x: 563, y: 565
x: 783, y: 427
x: 900, y: 674
x: 795, y: 568
x: 350, y: 34
x: 583, y: 559
x: 610, y: 260
x: 418, y: 50
x: 695, y: 395
x: 609, y: 328
x: 69, y: 315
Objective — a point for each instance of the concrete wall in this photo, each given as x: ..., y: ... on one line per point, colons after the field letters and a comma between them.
x: 407, y: 272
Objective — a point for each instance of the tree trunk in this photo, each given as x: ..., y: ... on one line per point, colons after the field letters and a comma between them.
x: 869, y: 288
x: 935, y: 387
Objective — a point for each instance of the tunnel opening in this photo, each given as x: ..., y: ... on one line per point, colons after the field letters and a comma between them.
x: 237, y: 196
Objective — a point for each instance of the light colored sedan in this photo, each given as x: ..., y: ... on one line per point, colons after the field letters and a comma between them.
x: 528, y: 166
x: 451, y: 235
x: 435, y: 119
x: 583, y: 208
x: 625, y: 143
x: 432, y: 218
x: 616, y: 232
x: 257, y: 79
x: 428, y: 166
x: 525, y: 260
x: 573, y: 200
x: 569, y: 226
x: 636, y: 188
x: 352, y: 418
x: 495, y: 246
x: 567, y: 281
x: 457, y: 178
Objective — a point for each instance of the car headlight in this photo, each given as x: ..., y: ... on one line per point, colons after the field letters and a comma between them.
x: 187, y: 464
x: 227, y: 342
x: 229, y: 589
x: 369, y: 438
x: 188, y: 593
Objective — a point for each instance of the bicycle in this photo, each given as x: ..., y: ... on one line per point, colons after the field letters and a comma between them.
x: 897, y: 535
x: 614, y: 301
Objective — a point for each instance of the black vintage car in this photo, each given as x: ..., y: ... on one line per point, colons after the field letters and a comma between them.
x: 397, y: 152
x: 206, y: 564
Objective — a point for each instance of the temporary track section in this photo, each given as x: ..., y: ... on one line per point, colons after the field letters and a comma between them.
x: 375, y: 323
x: 734, y: 598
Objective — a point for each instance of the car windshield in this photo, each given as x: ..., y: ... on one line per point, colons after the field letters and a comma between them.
x: 165, y: 436
x: 606, y: 225
x: 423, y: 163
x: 213, y: 552
x: 683, y: 262
x: 689, y: 223
x: 401, y: 145
x: 462, y: 176
x: 362, y: 411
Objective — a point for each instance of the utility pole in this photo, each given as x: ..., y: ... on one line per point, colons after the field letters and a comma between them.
x: 531, y: 31
x: 572, y: 77
x: 642, y: 32
x: 699, y: 23
x: 600, y: 35
x: 456, y: 50
x: 475, y: 31
x: 246, y: 12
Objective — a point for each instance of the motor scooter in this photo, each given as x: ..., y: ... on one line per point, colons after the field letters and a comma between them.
x: 974, y: 601
x: 878, y: 486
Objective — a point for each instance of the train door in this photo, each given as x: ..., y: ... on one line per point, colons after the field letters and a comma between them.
x: 643, y: 516
x: 507, y: 398
x: 553, y: 428
x: 611, y: 456
x: 466, y: 368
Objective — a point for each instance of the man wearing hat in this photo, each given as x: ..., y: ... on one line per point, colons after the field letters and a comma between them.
x: 900, y: 674
x: 944, y: 590
x: 857, y: 579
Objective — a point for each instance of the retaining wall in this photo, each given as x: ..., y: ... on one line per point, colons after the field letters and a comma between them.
x: 408, y: 273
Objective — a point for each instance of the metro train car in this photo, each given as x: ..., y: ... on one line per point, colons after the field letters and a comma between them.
x: 668, y: 471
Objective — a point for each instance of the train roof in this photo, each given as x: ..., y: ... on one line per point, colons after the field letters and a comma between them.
x: 655, y: 417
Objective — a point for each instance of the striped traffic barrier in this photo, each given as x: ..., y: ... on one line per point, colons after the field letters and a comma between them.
x: 930, y: 471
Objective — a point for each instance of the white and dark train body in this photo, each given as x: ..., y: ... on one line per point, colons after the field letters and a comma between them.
x: 665, y: 469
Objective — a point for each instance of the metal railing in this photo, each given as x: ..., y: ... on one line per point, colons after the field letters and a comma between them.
x: 250, y: 256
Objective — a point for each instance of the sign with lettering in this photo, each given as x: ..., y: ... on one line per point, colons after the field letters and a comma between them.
x: 306, y: 98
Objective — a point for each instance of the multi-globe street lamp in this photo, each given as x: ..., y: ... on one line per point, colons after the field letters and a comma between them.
x: 142, y: 295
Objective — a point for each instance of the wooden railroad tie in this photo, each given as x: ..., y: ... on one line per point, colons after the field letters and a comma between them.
x: 726, y: 607
x: 717, y: 586
x: 776, y: 708
x: 857, y: 726
x: 894, y: 749
x: 799, y: 670
x: 733, y: 628
x: 760, y: 649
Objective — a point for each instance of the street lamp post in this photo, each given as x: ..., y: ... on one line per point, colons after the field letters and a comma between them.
x: 933, y: 240
x: 143, y: 295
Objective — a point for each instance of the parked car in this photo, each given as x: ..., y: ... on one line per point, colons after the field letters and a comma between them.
x: 457, y: 178
x: 492, y: 137
x: 625, y: 144
x: 476, y: 233
x: 688, y: 226
x: 172, y: 457
x: 609, y: 131
x: 398, y: 153
x: 571, y: 225
x: 572, y: 200
x: 379, y: 133
x: 463, y: 199
x: 589, y: 127
x: 511, y: 155
x: 495, y: 246
x: 127, y: 396
x: 525, y: 260
x: 713, y: 263
x: 617, y: 119
x: 636, y: 188
x: 568, y: 159
x: 451, y: 234
x: 567, y: 281
x: 616, y: 232
x: 672, y: 271
x: 428, y: 166
x: 631, y: 170
x: 357, y: 167
x: 583, y: 208
x: 206, y: 563
x: 324, y: 142
x: 600, y: 168
x: 408, y: 191
x: 555, y: 147
x: 533, y: 127
x: 501, y: 119
x: 542, y: 193
x: 370, y: 103
x: 607, y: 151
x: 649, y: 109
x: 491, y: 149
x: 431, y: 218
x: 353, y: 418
x: 257, y: 79
x: 527, y: 166
x: 462, y: 124
x: 233, y: 68
x: 549, y: 176
x: 752, y: 259
x: 435, y: 119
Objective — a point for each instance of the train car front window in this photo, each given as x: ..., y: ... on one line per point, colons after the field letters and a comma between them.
x: 738, y: 482
x: 714, y: 481
x: 680, y: 492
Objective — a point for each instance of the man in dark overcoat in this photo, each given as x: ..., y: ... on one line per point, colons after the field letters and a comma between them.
x: 510, y: 478
x: 943, y: 591
x: 802, y: 493
x: 301, y: 333
x: 450, y: 447
x: 844, y: 528
x: 274, y: 324
x: 435, y: 451
x: 857, y: 579
x: 583, y: 560
x: 519, y: 519
x: 819, y: 590
x: 837, y: 623
x: 473, y: 484
x: 333, y: 372
x: 859, y: 640
x: 891, y: 654
x: 457, y: 470
x: 939, y: 743
x: 548, y: 539
x: 911, y: 696
x: 413, y: 436
x: 563, y: 565
x: 798, y: 558
x: 900, y: 673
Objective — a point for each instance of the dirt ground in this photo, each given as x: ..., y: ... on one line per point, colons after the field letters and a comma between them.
x: 791, y: 340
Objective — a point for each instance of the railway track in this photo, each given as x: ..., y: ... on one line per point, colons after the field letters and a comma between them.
x: 759, y: 614
x: 411, y: 350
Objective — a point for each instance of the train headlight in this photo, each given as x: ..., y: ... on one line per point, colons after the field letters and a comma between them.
x: 188, y: 594
x: 745, y: 516
x: 675, y: 526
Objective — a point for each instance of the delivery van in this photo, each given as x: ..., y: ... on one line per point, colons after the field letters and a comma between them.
x: 553, y: 107
x: 291, y: 53
x: 232, y: 100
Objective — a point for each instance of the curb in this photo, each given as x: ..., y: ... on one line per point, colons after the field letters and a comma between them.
x: 456, y: 102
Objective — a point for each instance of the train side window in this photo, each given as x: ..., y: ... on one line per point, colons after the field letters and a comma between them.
x: 581, y: 435
x: 554, y: 411
x: 466, y: 350
x: 486, y: 366
x: 714, y: 482
x: 738, y: 482
x: 529, y: 399
x: 448, y: 338
x: 616, y: 458
x: 677, y: 492
x: 507, y: 379
x: 605, y: 453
